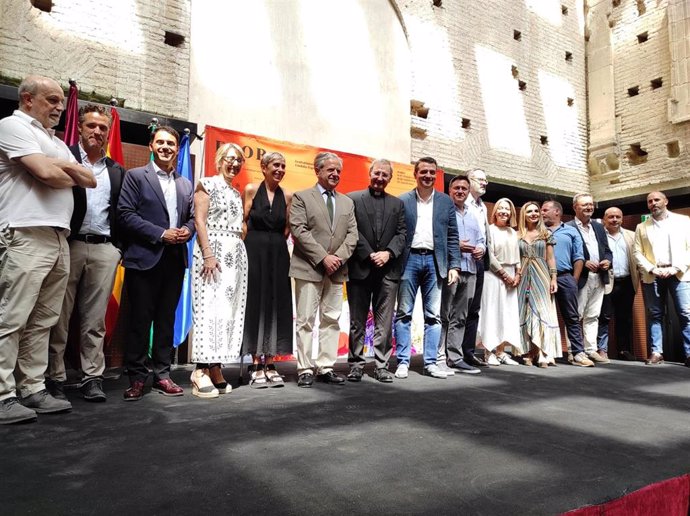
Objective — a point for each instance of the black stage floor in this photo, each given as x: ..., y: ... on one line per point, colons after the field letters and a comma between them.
x: 513, y: 440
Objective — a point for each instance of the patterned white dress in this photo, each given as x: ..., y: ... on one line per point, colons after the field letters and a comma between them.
x: 219, y: 305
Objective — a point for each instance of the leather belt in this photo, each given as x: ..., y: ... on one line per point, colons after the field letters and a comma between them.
x: 419, y: 250
x: 92, y: 239
x: 563, y: 273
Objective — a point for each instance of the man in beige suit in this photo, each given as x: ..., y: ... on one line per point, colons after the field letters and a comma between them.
x: 618, y: 301
x: 662, y: 251
x: 324, y: 231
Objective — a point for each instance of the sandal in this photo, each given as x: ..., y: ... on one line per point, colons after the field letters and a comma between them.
x: 257, y: 377
x: 273, y: 377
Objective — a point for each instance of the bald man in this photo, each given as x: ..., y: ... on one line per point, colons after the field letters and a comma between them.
x: 37, y: 173
x: 662, y: 251
x: 619, y: 302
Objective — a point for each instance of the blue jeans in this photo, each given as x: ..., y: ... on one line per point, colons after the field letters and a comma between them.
x: 655, y: 295
x: 419, y: 273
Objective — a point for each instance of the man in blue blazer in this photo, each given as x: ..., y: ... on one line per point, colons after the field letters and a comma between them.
x: 156, y: 218
x: 595, y: 273
x: 431, y: 256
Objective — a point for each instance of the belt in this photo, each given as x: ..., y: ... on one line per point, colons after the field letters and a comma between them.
x: 564, y: 273
x: 621, y: 277
x: 92, y: 239
x: 419, y: 250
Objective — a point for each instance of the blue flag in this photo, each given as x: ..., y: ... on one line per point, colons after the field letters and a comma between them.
x: 183, y: 313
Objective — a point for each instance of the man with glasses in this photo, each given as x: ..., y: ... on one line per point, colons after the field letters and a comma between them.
x: 478, y: 184
x: 595, y: 273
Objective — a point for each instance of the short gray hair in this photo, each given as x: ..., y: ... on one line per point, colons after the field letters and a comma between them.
x: 383, y: 162
x: 322, y: 157
x: 270, y: 157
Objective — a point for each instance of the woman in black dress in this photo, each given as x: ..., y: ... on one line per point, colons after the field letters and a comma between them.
x: 268, y: 319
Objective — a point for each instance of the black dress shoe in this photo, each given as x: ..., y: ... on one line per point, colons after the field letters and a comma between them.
x: 626, y: 355
x: 355, y: 375
x: 331, y: 377
x: 463, y: 367
x: 384, y: 375
x: 92, y: 390
x: 305, y: 380
x: 475, y: 361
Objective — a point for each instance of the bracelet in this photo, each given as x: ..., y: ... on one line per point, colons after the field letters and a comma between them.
x: 204, y: 248
x: 208, y: 256
x: 553, y: 271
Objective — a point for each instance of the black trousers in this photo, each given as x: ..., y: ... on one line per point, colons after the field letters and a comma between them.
x: 619, y: 305
x: 566, y: 297
x: 153, y: 295
x: 381, y: 293
x: 469, y: 340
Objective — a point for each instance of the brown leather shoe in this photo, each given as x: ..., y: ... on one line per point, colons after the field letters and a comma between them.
x: 135, y: 391
x: 168, y: 388
x: 655, y: 358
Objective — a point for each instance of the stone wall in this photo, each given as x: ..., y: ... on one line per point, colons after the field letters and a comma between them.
x: 115, y: 48
x: 651, y: 100
x: 501, y: 85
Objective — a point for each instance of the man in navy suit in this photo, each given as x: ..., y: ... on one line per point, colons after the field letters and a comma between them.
x: 156, y: 218
x: 94, y: 255
x: 595, y: 273
x: 375, y: 270
x: 431, y: 256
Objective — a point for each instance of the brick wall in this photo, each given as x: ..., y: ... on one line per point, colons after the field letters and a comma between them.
x: 463, y: 54
x: 110, y: 47
x: 641, y: 46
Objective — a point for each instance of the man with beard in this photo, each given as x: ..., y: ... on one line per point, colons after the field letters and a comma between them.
x: 374, y: 269
x: 569, y: 262
x: 37, y: 173
x: 431, y: 257
x: 324, y: 230
x: 156, y: 218
x: 662, y: 251
x: 94, y: 256
x: 478, y: 184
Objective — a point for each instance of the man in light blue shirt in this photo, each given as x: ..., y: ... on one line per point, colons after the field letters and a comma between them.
x: 457, y: 297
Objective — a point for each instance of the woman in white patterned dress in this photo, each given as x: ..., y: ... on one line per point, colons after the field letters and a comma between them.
x: 220, y: 274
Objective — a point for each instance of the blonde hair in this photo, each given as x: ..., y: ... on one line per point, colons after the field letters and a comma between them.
x: 512, y: 222
x: 522, y: 223
x: 224, y: 150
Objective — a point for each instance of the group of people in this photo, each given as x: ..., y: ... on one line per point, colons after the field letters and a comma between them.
x: 70, y: 215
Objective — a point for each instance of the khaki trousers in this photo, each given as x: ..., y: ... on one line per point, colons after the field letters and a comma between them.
x: 91, y: 277
x: 327, y: 297
x: 34, y: 266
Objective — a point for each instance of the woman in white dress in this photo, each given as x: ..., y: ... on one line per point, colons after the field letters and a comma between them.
x: 500, y: 316
x: 220, y: 274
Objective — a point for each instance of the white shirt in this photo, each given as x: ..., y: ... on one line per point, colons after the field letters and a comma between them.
x: 424, y: 230
x: 96, y: 221
x: 590, y: 239
x: 479, y: 210
x: 24, y: 200
x: 660, y: 239
x: 167, y: 182
x: 619, y: 248
x: 325, y: 200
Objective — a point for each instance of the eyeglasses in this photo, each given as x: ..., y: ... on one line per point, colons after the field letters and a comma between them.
x: 232, y: 159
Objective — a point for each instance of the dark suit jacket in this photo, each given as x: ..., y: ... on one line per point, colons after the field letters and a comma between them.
x: 392, y: 237
x: 143, y: 216
x: 604, y: 251
x: 314, y: 236
x: 116, y: 172
x: 446, y: 244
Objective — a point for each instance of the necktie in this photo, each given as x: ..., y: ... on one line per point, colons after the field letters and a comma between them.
x: 329, y: 204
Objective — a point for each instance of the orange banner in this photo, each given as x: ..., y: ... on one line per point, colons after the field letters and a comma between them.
x: 300, y: 163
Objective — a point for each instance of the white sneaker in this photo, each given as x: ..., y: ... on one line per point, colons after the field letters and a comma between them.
x: 402, y: 371
x: 444, y: 367
x: 506, y: 360
x: 581, y: 360
x: 493, y: 360
x: 434, y: 371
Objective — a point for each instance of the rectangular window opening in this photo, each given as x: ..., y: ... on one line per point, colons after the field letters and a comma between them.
x: 522, y: 85
x: 636, y: 154
x: 569, y: 56
x: 43, y: 5
x: 641, y: 38
x: 466, y: 123
x: 517, y: 35
x: 673, y: 149
x: 656, y: 83
x: 632, y: 92
x: 173, y: 39
x: 564, y: 10
x: 544, y: 140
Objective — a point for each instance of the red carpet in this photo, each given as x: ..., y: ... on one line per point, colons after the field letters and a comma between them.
x: 667, y: 498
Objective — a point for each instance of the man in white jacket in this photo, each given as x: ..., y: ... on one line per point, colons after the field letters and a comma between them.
x: 662, y: 251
